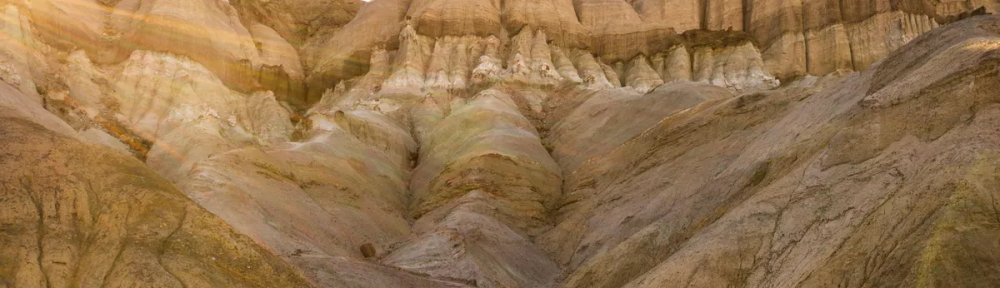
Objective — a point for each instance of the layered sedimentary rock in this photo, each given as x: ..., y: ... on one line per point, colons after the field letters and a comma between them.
x: 281, y: 68
x: 792, y: 36
x: 379, y: 23
x: 811, y: 186
x: 796, y: 38
x: 455, y: 18
x: 299, y: 20
x: 641, y: 76
x: 564, y: 143
x: 480, y: 192
x: 211, y: 33
x: 682, y: 15
x: 316, y: 202
x: 738, y: 68
x: 82, y: 215
x: 466, y: 65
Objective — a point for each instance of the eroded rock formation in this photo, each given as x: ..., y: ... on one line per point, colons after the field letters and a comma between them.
x: 517, y: 143
x: 82, y: 215
x: 795, y: 38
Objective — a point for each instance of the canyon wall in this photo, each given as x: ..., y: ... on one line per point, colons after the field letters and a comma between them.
x: 812, y: 37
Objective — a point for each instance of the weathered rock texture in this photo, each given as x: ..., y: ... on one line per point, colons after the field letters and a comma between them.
x: 798, y: 186
x: 82, y: 215
x: 795, y: 38
x: 515, y: 143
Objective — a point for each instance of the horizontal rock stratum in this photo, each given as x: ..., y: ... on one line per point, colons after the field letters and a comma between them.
x: 507, y: 144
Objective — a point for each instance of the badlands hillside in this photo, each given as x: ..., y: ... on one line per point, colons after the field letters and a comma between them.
x: 499, y: 143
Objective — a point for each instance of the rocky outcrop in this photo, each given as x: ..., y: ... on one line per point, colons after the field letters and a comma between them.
x: 209, y: 32
x: 342, y: 55
x: 425, y: 64
x: 481, y: 191
x: 455, y: 18
x: 281, y: 69
x: 78, y: 214
x: 408, y: 68
x: 298, y: 20
x: 158, y: 92
x: 738, y: 68
x: 682, y: 15
x: 795, y: 38
x: 641, y: 77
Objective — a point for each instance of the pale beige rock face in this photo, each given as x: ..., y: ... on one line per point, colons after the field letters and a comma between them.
x: 455, y: 18
x: 69, y: 24
x: 641, y: 76
x: 677, y: 65
x: 592, y: 72
x: 159, y: 92
x: 281, y: 68
x: 98, y: 136
x: 682, y: 15
x: 343, y: 54
x: 605, y: 13
x: 557, y: 17
x: 257, y: 120
x: 209, y: 32
x: 724, y: 15
x: 740, y: 69
x: 887, y: 28
x: 16, y: 56
x: 408, y: 68
x: 829, y: 50
x: 15, y: 105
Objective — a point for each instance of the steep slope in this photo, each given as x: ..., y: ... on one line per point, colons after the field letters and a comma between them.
x: 81, y: 215
x: 799, y: 187
x: 798, y: 184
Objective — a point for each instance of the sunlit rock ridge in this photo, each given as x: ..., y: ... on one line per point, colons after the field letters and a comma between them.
x: 507, y: 144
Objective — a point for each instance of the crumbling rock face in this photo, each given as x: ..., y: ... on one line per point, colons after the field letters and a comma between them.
x: 466, y: 65
x: 247, y: 44
x: 738, y: 68
x: 796, y: 38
